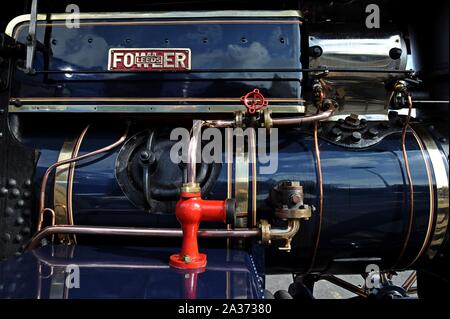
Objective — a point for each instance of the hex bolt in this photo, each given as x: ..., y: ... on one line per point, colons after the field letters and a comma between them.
x: 373, y: 132
x: 356, y: 137
x: 336, y: 131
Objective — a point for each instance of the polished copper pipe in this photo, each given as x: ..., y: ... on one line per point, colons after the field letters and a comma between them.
x: 304, y: 119
x: 320, y: 185
x: 344, y: 284
x: 410, y: 185
x: 410, y: 281
x: 142, y: 232
x: 71, y: 160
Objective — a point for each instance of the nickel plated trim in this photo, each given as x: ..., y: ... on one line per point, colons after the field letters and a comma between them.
x: 158, y: 15
x: 61, y: 184
x: 441, y: 179
x: 136, y: 108
x: 241, y: 178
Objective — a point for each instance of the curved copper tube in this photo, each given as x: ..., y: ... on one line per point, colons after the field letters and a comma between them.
x: 192, y: 152
x: 304, y: 119
x: 346, y: 285
x: 132, y: 231
x: 320, y: 182
x: 410, y: 185
x: 52, y: 167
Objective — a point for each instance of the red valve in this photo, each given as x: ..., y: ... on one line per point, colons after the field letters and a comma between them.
x: 191, y: 209
x: 254, y: 101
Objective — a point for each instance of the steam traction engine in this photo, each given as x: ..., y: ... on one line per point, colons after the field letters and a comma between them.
x: 328, y: 141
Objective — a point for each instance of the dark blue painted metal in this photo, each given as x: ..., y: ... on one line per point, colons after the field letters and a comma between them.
x: 240, y: 46
x: 365, y: 192
x: 125, y: 272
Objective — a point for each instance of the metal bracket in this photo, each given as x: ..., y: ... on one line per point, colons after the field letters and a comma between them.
x: 31, y: 39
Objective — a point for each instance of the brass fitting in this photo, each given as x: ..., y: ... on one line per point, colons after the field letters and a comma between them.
x: 191, y: 188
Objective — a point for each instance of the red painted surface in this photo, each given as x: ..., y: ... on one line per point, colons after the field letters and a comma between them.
x: 191, y: 210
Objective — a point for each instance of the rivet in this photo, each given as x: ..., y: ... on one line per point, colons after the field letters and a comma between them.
x: 15, y: 192
x: 6, y: 237
x: 28, y: 182
x: 20, y: 203
x: 3, y: 191
x: 27, y: 212
x: 9, y: 211
x: 26, y: 194
x: 18, y: 238
x: 26, y: 231
x: 20, y: 221
x: 12, y: 182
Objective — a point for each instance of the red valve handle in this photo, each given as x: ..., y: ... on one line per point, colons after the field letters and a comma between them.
x: 254, y: 101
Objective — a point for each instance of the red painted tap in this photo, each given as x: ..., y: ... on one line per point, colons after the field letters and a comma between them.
x: 191, y: 210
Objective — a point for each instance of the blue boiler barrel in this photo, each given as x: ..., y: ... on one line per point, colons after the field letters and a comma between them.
x: 365, y: 210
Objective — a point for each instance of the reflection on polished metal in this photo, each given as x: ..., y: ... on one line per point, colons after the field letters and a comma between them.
x: 347, y: 49
x: 431, y: 215
x: 138, y: 232
x: 50, y: 169
x: 252, y: 154
x: 438, y: 163
x: 73, y: 239
x: 136, y: 108
x: 192, y: 153
x: 287, y: 234
x: 157, y: 15
x: 61, y: 184
x: 241, y: 179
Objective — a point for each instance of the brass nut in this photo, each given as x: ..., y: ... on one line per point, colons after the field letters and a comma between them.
x: 191, y: 188
x: 187, y: 259
x: 265, y: 231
